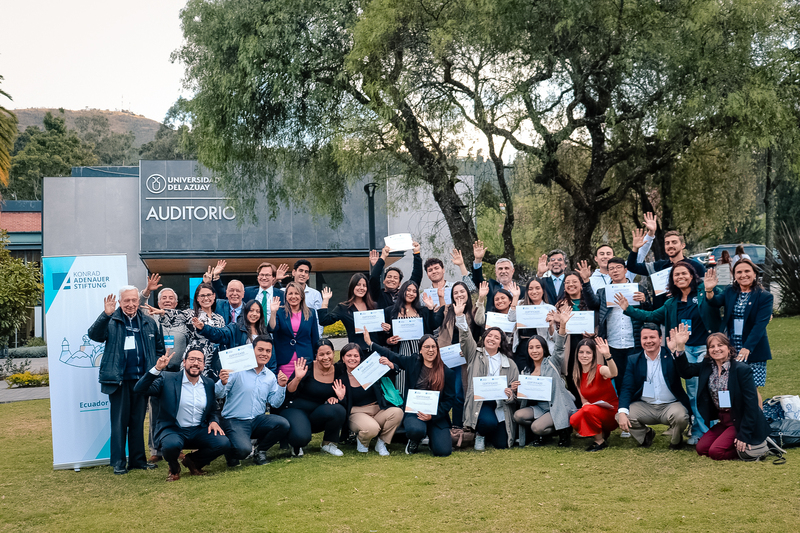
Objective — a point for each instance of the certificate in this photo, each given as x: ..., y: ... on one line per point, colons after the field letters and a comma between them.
x: 535, y: 388
x: 625, y: 289
x: 499, y: 320
x: 581, y: 322
x: 604, y: 405
x: 237, y: 359
x: 490, y: 388
x: 422, y: 401
x: 660, y: 281
x: 408, y: 329
x: 399, y: 242
x: 434, y: 295
x: 370, y: 370
x: 533, y: 316
x: 371, y: 319
x: 451, y: 356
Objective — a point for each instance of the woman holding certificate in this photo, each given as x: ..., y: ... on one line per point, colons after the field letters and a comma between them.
x: 426, y: 373
x: 574, y: 301
x: 534, y: 296
x: 294, y: 329
x: 247, y: 327
x: 316, y: 392
x: 599, y: 400
x: 490, y: 412
x: 546, y: 416
x: 369, y: 413
x: 505, y: 305
x: 358, y: 300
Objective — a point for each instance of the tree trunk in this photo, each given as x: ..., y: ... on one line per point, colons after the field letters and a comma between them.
x: 509, y: 252
x: 769, y: 213
x: 458, y: 217
x: 586, y: 221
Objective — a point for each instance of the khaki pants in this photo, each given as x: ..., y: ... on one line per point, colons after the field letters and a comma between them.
x: 672, y: 414
x: 369, y: 421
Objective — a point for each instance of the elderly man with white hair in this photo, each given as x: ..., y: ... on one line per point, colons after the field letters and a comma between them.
x: 133, y: 345
x: 503, y: 271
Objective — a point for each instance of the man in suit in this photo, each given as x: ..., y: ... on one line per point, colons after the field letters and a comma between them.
x: 231, y: 307
x: 385, y: 293
x: 133, y: 343
x: 652, y: 393
x: 188, y: 414
x: 263, y: 292
x: 551, y: 269
x: 503, y: 270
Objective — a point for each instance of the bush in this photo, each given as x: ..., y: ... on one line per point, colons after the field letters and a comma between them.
x: 35, y: 341
x: 336, y: 330
x: 33, y: 352
x: 9, y: 368
x: 26, y: 379
x: 786, y: 270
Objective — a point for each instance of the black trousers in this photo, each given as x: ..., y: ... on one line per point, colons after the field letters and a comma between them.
x: 306, y: 418
x: 128, y: 410
x: 267, y: 429
x: 489, y: 427
x: 207, y: 445
x: 620, y: 357
x: 438, y: 432
x: 155, y: 405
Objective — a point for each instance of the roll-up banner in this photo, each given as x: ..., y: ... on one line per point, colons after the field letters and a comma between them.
x: 74, y: 289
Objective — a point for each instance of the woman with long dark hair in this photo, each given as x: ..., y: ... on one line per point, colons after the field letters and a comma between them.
x: 424, y: 370
x: 599, y: 402
x: 358, y: 299
x: 534, y: 295
x: 573, y: 300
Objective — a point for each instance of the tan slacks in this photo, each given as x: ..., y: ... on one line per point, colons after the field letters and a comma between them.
x: 370, y: 421
x: 672, y: 414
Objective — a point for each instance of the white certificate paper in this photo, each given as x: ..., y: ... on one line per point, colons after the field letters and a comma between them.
x: 533, y: 316
x: 499, y: 320
x: 408, y: 329
x: 370, y: 370
x: 535, y: 388
x: 604, y: 405
x: 434, y: 295
x: 581, y: 322
x: 660, y: 281
x: 371, y: 319
x: 399, y: 242
x: 625, y: 289
x: 237, y: 359
x: 422, y: 401
x: 490, y: 388
x: 451, y: 356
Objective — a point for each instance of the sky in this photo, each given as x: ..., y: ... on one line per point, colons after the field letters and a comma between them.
x: 79, y: 54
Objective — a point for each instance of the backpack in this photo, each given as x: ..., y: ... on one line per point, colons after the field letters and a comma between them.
x: 786, y: 432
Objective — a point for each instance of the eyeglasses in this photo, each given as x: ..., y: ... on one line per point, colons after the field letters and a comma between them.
x: 195, y: 360
x: 205, y: 296
x: 264, y: 276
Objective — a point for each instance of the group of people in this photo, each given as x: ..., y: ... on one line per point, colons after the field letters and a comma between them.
x: 625, y: 372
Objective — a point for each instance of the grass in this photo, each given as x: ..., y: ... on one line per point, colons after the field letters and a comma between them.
x: 546, y: 489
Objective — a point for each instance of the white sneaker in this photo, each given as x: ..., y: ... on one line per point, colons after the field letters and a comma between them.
x: 332, y: 449
x: 480, y: 443
x: 360, y: 447
x: 426, y: 441
x: 625, y: 435
x: 380, y: 447
x: 298, y: 453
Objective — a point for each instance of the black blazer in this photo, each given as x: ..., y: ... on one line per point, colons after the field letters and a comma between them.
x: 748, y: 419
x: 344, y: 313
x: 494, y: 286
x: 636, y: 375
x: 382, y: 298
x: 167, y: 388
x: 250, y: 293
x: 757, y: 314
x: 550, y: 290
x: 431, y: 321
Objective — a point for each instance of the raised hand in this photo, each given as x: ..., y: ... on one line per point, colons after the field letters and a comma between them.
x: 385, y: 253
x: 478, y: 250
x: 367, y: 338
x: 564, y: 317
x: 339, y: 389
x: 300, y: 368
x: 373, y: 257
x: 638, y: 239
x: 283, y: 379
x: 541, y: 267
x: 197, y: 323
x: 514, y: 289
x: 110, y: 304
x: 417, y: 247
x: 456, y: 257
x: 427, y: 301
x: 483, y: 290
x: 153, y: 282
x: 678, y: 337
x: 602, y: 347
x: 584, y: 270
x: 459, y: 308
x: 621, y: 301
x: 280, y: 274
x: 163, y: 361
x: 274, y: 305
x: 650, y: 223
x: 221, y: 264
x: 224, y: 375
x: 710, y: 279
x: 327, y: 293
x: 208, y: 275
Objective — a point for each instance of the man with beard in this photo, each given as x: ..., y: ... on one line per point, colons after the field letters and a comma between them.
x: 553, y: 282
x: 503, y: 271
x: 384, y: 294
x: 188, y: 414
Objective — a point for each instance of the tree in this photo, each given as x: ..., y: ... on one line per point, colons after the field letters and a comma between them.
x: 110, y: 148
x: 8, y: 132
x: 174, y: 138
x: 52, y: 152
x: 20, y: 289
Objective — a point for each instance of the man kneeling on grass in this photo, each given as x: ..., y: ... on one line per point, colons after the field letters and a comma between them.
x: 247, y: 394
x: 188, y: 414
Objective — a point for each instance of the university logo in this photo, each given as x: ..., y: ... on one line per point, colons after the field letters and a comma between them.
x: 156, y: 183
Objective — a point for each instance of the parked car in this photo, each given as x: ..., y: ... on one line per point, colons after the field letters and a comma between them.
x: 757, y: 253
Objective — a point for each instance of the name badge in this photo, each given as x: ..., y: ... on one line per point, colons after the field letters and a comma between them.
x: 130, y: 343
x: 688, y: 323
x: 649, y: 390
x: 169, y: 341
x: 724, y: 398
x: 738, y: 326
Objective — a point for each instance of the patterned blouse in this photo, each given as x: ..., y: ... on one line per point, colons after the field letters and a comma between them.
x: 194, y: 340
x: 718, y: 382
x: 738, y: 314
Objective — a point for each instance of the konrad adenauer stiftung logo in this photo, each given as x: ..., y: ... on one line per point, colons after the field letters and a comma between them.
x: 156, y: 183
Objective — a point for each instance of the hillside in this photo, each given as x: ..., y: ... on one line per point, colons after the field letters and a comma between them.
x: 120, y: 121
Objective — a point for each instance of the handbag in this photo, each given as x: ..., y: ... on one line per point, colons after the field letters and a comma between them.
x: 390, y: 392
x: 462, y: 437
x: 772, y: 409
x: 790, y: 405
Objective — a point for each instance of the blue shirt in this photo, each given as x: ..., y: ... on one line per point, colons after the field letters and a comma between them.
x: 247, y: 393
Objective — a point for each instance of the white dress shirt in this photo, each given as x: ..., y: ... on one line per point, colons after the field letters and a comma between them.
x: 656, y: 377
x: 193, y: 402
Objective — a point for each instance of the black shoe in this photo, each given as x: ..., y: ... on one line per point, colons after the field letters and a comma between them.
x: 120, y: 471
x: 232, y: 463
x: 648, y: 438
x: 412, y: 447
x: 537, y: 441
x: 565, y: 438
x: 146, y: 466
x: 676, y: 446
x: 595, y: 447
x: 260, y: 458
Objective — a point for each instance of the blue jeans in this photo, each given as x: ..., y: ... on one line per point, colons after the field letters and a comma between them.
x: 695, y: 354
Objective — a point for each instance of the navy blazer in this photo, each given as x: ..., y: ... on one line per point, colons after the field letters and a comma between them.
x: 167, y: 388
x: 549, y: 289
x: 494, y: 286
x: 636, y: 375
x: 285, y: 343
x: 757, y: 314
x: 224, y: 310
x: 746, y: 414
x: 233, y: 335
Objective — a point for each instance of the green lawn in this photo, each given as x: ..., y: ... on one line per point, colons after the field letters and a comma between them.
x: 547, y: 489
